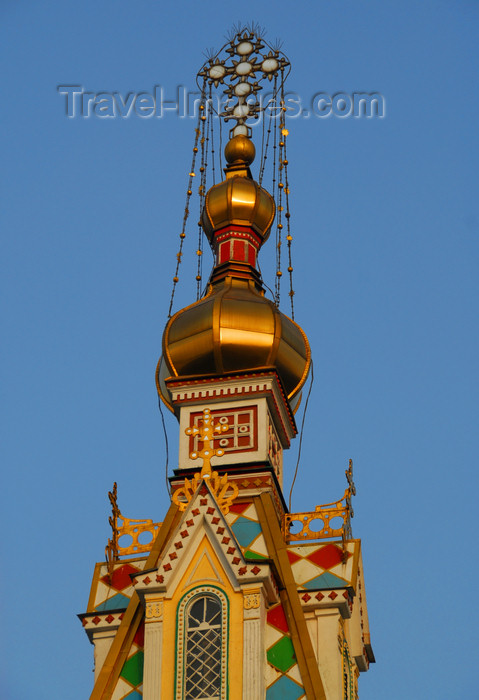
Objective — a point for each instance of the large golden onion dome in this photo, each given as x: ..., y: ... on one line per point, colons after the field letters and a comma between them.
x: 235, y: 327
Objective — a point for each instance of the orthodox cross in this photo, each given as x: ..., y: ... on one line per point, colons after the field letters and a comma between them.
x: 206, y: 435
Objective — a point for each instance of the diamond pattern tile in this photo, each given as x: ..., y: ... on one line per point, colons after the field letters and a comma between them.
x: 276, y: 617
x: 326, y: 580
x: 281, y: 655
x: 132, y: 670
x: 245, y: 531
x: 116, y: 602
x: 139, y: 638
x: 292, y: 556
x: 249, y: 554
x: 326, y: 557
x: 239, y: 508
x: 284, y: 689
x: 120, y: 578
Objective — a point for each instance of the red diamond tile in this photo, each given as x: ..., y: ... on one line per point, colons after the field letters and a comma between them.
x: 139, y: 638
x: 184, y: 533
x: 225, y: 540
x: 120, y: 578
x: 215, y: 520
x: 203, y: 501
x: 195, y: 512
x: 239, y: 507
x: 319, y: 596
x: 120, y: 617
x: 242, y: 571
x: 255, y: 570
x: 220, y: 531
x: 146, y: 580
x: 173, y: 555
x: 167, y: 567
x: 306, y: 597
x: 346, y: 595
x: 84, y: 622
x: 210, y: 511
x: 333, y: 595
x: 326, y: 557
x: 292, y: 556
x: 236, y: 560
x: 178, y: 545
x: 160, y: 579
x: 277, y: 618
x: 96, y: 620
x: 230, y: 550
x: 110, y: 618
x: 189, y: 523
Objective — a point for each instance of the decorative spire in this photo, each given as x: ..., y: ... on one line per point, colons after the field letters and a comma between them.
x: 233, y: 326
x: 241, y: 65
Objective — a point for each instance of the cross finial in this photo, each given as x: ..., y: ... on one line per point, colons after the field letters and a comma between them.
x: 206, y: 434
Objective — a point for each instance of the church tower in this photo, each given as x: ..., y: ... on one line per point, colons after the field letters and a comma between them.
x: 233, y: 597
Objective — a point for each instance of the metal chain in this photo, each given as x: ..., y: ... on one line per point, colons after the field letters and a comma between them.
x: 289, y: 237
x: 189, y: 192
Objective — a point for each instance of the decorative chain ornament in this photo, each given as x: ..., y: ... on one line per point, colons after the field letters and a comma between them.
x: 189, y: 192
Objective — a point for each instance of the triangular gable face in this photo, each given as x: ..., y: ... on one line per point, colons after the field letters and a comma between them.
x: 203, y: 517
x: 204, y: 561
x: 204, y: 569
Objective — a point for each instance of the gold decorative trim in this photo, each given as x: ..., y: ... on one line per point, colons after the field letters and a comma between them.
x: 154, y: 611
x: 251, y: 601
x: 223, y: 490
x: 325, y: 513
x: 126, y: 526
x: 205, y: 434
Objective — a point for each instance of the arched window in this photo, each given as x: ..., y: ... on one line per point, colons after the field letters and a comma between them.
x: 201, y: 660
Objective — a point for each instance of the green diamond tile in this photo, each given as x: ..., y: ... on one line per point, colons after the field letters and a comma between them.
x: 132, y: 670
x: 281, y: 655
x: 249, y: 554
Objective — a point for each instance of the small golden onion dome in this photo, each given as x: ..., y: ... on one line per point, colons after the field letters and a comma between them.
x: 238, y: 200
x: 234, y: 328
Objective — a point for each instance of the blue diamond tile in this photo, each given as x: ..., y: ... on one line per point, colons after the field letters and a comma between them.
x: 117, y: 602
x: 326, y: 580
x: 245, y: 530
x: 284, y: 689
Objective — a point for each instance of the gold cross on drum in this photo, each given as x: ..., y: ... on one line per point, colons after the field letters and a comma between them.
x: 206, y: 434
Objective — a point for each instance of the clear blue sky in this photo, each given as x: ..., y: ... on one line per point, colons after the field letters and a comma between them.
x: 385, y: 219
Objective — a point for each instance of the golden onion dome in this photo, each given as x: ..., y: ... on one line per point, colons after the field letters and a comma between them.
x: 238, y: 200
x: 235, y: 327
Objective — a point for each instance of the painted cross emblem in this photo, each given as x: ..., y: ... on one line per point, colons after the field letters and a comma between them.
x: 206, y: 434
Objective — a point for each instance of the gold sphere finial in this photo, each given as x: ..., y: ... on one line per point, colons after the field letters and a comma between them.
x: 240, y: 149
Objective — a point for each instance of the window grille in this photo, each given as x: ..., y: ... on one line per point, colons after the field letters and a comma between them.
x: 203, y: 637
